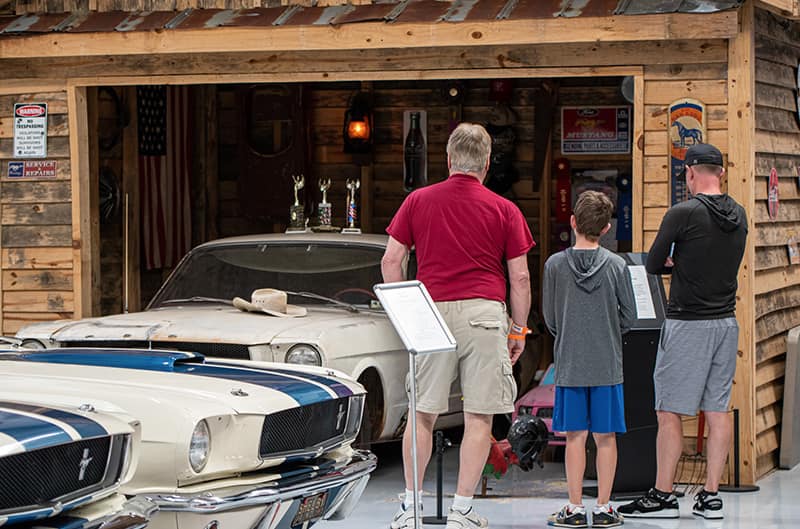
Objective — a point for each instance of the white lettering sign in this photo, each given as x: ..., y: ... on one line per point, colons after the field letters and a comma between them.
x: 645, y: 310
x: 30, y: 130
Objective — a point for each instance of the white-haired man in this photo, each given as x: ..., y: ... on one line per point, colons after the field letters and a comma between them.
x: 464, y: 236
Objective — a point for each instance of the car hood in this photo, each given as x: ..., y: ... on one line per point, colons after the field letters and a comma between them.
x: 26, y: 426
x: 208, y: 323
x: 184, y: 380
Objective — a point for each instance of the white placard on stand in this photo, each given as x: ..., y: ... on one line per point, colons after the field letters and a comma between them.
x: 423, y: 331
x: 645, y: 310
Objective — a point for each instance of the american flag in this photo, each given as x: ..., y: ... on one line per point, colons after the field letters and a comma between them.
x: 164, y: 165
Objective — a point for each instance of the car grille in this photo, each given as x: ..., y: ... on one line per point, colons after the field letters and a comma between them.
x: 304, y: 429
x: 47, y: 475
x: 221, y: 350
x: 544, y: 413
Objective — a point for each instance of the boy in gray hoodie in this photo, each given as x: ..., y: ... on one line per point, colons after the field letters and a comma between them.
x: 588, y: 303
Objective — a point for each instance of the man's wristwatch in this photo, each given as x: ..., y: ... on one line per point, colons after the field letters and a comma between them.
x: 518, y: 332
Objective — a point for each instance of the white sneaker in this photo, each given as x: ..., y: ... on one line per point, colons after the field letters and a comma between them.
x: 404, y: 518
x: 469, y: 520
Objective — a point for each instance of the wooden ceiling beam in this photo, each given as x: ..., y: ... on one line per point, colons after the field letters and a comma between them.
x: 784, y: 8
x: 374, y: 35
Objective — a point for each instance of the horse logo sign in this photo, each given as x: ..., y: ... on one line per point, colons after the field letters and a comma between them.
x: 687, y: 127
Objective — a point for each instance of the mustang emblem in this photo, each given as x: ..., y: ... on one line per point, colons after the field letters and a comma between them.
x: 84, y: 464
x: 340, y: 416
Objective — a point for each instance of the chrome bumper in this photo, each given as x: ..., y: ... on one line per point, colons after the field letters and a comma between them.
x: 135, y: 514
x: 353, y: 474
x: 111, y: 513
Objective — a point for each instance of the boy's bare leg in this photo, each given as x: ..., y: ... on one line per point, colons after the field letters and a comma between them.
x: 474, y: 451
x: 606, y: 465
x: 425, y: 422
x: 719, y: 439
x: 575, y: 459
x: 669, y: 447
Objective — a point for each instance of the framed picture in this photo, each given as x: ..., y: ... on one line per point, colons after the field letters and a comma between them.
x: 595, y: 130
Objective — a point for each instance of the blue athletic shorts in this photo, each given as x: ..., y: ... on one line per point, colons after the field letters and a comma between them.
x: 598, y: 409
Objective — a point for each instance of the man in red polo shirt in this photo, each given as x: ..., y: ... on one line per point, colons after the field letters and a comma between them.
x: 464, y: 234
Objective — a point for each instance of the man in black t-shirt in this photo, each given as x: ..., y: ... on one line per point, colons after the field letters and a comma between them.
x: 700, y: 243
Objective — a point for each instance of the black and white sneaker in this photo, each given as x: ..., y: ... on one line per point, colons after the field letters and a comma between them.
x: 654, y: 504
x: 708, y: 505
x: 606, y: 516
x: 566, y: 517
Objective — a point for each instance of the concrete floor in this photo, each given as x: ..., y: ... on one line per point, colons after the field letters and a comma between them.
x: 524, y: 500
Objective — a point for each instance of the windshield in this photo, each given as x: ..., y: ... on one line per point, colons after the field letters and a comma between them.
x: 339, y: 271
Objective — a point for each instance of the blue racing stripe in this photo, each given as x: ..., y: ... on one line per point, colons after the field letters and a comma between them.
x: 340, y: 389
x: 303, y: 392
x: 85, y: 426
x: 30, y: 432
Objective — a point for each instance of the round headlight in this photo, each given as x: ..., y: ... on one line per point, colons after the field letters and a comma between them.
x: 199, y: 446
x: 304, y: 354
x: 32, y: 344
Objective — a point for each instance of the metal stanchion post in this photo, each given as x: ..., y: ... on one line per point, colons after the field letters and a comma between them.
x: 441, y: 444
x: 413, y: 412
x: 737, y: 486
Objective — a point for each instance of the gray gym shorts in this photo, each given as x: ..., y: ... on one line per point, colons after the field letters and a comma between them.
x: 695, y: 365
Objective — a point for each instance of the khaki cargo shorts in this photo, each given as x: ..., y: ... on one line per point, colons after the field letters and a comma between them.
x: 481, y: 361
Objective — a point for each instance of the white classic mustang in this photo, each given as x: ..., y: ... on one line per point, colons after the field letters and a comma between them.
x: 329, y: 275
x: 62, y: 467
x: 224, y: 444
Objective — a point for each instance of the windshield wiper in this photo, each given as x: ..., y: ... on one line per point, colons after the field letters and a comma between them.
x: 311, y: 295
x: 196, y: 299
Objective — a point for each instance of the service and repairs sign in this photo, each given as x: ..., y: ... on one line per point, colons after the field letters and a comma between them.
x: 30, y: 130
x: 33, y: 169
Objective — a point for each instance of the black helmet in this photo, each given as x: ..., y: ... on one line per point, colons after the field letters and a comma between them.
x: 528, y: 438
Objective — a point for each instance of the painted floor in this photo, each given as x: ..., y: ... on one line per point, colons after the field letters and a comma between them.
x: 525, y: 499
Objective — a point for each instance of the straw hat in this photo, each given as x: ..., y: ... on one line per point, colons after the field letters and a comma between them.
x: 269, y: 301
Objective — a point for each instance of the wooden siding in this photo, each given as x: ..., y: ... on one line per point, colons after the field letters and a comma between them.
x: 664, y: 84
x: 36, y: 224
x: 777, y: 283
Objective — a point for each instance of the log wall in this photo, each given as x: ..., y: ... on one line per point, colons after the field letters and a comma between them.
x: 36, y: 223
x: 777, y: 282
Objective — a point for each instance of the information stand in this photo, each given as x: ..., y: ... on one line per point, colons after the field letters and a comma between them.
x: 423, y: 331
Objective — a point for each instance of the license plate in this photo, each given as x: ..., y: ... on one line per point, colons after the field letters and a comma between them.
x: 311, y: 508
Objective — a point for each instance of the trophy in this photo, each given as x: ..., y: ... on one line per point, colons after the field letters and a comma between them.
x: 325, y: 208
x: 297, y: 221
x: 352, y: 213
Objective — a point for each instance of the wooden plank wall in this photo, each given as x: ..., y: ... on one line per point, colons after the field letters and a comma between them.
x: 777, y: 282
x: 36, y: 218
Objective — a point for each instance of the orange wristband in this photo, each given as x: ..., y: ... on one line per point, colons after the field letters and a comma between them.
x: 518, y: 332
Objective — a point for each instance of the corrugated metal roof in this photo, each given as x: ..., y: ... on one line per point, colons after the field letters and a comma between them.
x: 416, y: 11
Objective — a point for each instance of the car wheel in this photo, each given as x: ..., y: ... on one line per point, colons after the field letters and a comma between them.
x: 372, y: 419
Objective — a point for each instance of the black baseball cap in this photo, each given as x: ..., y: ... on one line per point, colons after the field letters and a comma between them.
x: 701, y: 154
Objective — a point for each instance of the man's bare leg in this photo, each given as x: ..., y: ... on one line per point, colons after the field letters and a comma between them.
x: 474, y: 452
x: 669, y: 447
x: 719, y: 439
x: 425, y: 422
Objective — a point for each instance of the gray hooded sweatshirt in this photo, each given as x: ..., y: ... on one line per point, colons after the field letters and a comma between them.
x: 587, y: 301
